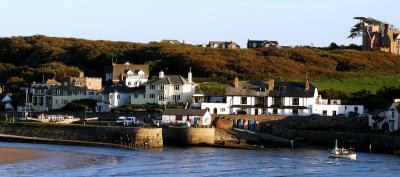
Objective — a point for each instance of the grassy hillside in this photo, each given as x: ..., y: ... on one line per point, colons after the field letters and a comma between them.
x: 27, y: 59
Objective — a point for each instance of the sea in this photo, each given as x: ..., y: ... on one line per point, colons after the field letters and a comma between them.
x: 66, y: 160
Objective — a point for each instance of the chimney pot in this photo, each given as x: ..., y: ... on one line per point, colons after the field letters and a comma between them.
x: 236, y: 82
x: 271, y: 84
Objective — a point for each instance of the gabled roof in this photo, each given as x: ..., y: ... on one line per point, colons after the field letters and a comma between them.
x: 117, y: 87
x: 259, y: 43
x: 52, y: 82
x: 220, y: 43
x: 3, y: 95
x: 169, y: 79
x: 185, y: 112
x: 117, y: 69
x: 281, y: 89
x: 171, y: 41
x: 395, y: 105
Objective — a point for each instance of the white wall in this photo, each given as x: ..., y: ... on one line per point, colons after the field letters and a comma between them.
x: 340, y: 109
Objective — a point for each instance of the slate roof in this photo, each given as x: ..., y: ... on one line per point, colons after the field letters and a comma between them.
x: 281, y: 89
x: 220, y: 43
x: 139, y: 90
x: 170, y: 41
x: 2, y: 96
x: 260, y: 42
x: 169, y: 79
x: 117, y: 87
x: 117, y: 69
x: 185, y: 112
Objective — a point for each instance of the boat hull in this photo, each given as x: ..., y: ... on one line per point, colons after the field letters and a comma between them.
x: 346, y: 156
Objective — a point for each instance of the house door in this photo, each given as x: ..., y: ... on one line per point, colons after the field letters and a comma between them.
x: 256, y: 112
x: 333, y: 113
x: 391, y: 125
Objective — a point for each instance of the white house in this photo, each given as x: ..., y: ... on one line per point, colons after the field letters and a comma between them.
x: 333, y: 107
x: 132, y: 75
x: 278, y: 98
x: 5, y: 100
x: 118, y: 94
x: 193, y: 116
x: 389, y: 119
x: 166, y: 89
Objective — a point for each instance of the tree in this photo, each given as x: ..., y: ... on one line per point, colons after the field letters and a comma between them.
x: 357, y: 29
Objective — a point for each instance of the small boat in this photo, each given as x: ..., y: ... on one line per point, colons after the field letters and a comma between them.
x: 342, y: 152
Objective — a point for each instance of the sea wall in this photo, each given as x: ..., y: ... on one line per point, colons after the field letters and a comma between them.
x: 380, y: 143
x: 86, y: 133
x: 189, y: 136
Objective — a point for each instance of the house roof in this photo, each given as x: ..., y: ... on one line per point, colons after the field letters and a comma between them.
x: 169, y: 79
x: 281, y: 89
x: 395, y: 105
x: 220, y: 43
x: 185, y: 112
x: 376, y: 111
x: 2, y: 96
x: 118, y: 69
x: 117, y: 87
x: 171, y: 41
x: 52, y: 82
x: 139, y: 90
x: 261, y: 42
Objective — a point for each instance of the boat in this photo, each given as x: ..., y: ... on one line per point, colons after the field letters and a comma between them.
x: 342, y: 152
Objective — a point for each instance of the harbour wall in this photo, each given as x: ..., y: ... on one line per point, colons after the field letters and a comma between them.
x: 189, y: 136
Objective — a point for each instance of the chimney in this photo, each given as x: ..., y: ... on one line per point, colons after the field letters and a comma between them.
x: 307, y: 84
x: 271, y: 84
x: 386, y: 29
x: 190, y: 76
x: 161, y: 74
x: 236, y: 82
x: 81, y: 74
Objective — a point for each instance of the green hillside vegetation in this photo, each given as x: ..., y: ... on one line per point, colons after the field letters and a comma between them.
x: 28, y: 59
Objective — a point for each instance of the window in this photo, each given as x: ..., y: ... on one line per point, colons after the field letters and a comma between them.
x: 176, y: 87
x: 295, y: 101
x: 333, y: 113
x: 134, y: 95
x: 152, y: 87
x: 152, y: 96
x: 56, y: 101
x: 118, y: 97
x: 277, y: 101
x: 324, y: 112
x: 177, y: 117
x: 356, y: 110
x: 215, y: 111
x: 64, y: 101
x: 58, y: 92
x: 264, y: 111
x: 244, y: 100
x: 295, y: 112
x: 129, y: 83
x: 65, y: 83
x: 176, y: 98
x: 160, y: 87
x: 161, y: 97
x: 256, y: 111
x: 275, y: 111
x: 222, y: 110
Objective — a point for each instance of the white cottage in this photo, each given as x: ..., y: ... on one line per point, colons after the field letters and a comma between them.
x: 193, y: 116
x: 116, y: 95
x: 5, y: 100
x: 389, y: 119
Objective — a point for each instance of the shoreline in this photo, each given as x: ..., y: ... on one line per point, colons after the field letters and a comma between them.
x: 15, y: 154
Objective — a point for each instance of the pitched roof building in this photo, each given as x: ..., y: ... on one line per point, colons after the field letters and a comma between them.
x: 131, y: 74
x: 223, y: 44
x: 262, y: 44
x: 381, y: 38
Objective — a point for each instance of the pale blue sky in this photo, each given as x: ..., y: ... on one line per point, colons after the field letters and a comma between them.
x: 291, y: 22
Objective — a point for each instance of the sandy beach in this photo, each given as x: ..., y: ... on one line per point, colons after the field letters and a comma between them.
x: 12, y: 154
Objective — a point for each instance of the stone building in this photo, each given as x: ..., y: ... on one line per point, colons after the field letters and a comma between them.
x: 381, y: 38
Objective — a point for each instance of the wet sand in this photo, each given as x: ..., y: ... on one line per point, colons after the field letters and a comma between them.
x: 12, y: 155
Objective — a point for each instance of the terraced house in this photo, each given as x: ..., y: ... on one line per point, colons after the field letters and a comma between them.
x: 55, y: 95
x: 278, y: 98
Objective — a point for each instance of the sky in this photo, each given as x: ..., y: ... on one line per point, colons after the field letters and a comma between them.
x: 290, y: 22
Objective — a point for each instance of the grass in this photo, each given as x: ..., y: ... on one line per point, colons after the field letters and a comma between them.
x: 350, y: 85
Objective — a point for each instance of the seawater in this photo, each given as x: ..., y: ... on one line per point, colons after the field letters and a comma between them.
x: 64, y: 160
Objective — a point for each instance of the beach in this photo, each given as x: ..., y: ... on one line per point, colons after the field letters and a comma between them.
x: 12, y: 154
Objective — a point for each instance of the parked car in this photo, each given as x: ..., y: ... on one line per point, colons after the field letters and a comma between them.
x: 126, y: 121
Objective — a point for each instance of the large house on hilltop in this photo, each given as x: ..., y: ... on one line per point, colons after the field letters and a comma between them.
x: 277, y: 98
x: 132, y: 75
x: 223, y: 44
x: 262, y: 44
x: 381, y: 38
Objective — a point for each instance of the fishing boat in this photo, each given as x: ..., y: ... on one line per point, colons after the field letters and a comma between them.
x: 342, y: 152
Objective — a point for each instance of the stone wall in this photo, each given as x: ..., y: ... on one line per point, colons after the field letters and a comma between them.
x: 153, y: 136
x: 189, y: 136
